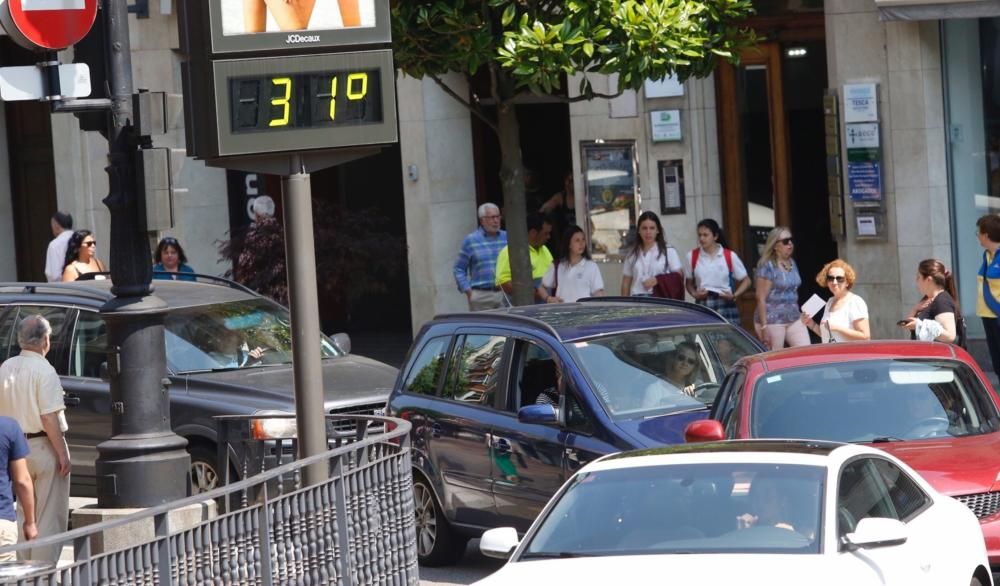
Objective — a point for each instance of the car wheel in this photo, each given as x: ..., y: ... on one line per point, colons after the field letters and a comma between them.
x: 204, y: 471
x: 437, y: 543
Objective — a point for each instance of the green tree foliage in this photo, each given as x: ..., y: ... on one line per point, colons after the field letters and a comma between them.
x: 530, y: 46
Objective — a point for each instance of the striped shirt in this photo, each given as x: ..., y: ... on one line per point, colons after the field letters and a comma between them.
x: 475, y: 267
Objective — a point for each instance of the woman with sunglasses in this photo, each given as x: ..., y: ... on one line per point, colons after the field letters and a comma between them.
x: 682, y: 372
x: 845, y: 318
x: 777, y: 319
x: 81, y: 256
x: 171, y: 262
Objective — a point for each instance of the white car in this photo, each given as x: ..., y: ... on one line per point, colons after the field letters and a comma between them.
x: 767, y: 512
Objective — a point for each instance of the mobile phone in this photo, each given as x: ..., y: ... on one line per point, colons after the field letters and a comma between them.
x: 902, y: 322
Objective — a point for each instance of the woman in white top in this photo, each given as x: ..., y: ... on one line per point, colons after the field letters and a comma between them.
x: 650, y: 256
x: 714, y: 271
x: 574, y: 276
x: 845, y: 318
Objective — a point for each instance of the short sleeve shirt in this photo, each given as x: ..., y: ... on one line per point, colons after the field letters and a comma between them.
x: 575, y: 281
x: 650, y: 263
x: 943, y: 303
x: 851, y: 310
x: 783, y: 298
x: 30, y: 388
x: 712, y: 273
x: 13, y: 446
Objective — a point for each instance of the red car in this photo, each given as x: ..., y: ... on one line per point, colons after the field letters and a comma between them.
x: 926, y: 403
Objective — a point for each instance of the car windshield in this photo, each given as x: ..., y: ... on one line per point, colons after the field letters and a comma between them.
x: 233, y: 335
x: 873, y: 401
x: 685, y: 508
x: 652, y: 372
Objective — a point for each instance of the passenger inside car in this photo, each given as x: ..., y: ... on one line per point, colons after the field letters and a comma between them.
x: 683, y: 367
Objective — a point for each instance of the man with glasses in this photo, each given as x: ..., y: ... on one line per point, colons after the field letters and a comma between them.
x: 475, y: 268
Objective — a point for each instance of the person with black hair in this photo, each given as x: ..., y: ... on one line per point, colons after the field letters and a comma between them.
x: 81, y: 256
x: 574, y: 275
x: 171, y: 262
x: 988, y: 290
x: 717, y: 276
x: 650, y: 256
x: 55, y: 256
x: 539, y: 231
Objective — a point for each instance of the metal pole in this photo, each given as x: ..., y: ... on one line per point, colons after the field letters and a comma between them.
x: 300, y: 258
x: 144, y: 463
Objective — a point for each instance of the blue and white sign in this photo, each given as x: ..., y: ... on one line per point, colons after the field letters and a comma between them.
x: 864, y: 181
x: 860, y: 102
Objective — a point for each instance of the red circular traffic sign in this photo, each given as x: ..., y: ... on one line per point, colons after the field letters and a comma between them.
x: 47, y: 24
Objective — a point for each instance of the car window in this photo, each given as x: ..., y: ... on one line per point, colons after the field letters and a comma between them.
x: 652, y: 372
x: 873, y: 401
x: 860, y: 495
x: 729, y: 413
x: 7, y: 336
x: 57, y: 317
x: 474, y: 371
x: 704, y: 508
x: 425, y: 371
x: 89, y: 347
x: 233, y: 335
x: 907, y: 497
x: 534, y: 378
x: 577, y: 418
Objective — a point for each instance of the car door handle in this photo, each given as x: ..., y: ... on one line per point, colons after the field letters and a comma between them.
x: 436, y: 430
x: 71, y: 400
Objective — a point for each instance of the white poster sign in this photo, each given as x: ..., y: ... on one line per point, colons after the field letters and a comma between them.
x: 666, y: 125
x: 862, y: 135
x: 668, y: 87
x: 860, y: 102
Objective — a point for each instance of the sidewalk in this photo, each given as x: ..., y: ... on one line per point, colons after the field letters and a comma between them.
x: 75, y: 502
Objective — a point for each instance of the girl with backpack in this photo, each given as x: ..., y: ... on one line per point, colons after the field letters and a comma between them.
x: 717, y: 276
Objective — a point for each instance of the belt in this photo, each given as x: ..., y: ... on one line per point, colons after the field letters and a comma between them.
x: 487, y: 288
x: 34, y: 435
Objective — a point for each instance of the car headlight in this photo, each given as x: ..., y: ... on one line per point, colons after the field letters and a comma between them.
x: 274, y: 427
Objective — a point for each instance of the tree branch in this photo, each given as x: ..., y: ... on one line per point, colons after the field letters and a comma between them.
x: 472, y: 108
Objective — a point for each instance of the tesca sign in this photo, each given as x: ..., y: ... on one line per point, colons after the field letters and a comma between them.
x: 47, y: 24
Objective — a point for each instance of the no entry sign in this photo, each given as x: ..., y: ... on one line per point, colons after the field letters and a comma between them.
x: 47, y: 24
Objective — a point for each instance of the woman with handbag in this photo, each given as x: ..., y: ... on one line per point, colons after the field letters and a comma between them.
x: 717, y: 276
x: 651, y: 257
x: 777, y: 320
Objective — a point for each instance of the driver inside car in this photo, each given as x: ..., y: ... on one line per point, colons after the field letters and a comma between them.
x: 232, y: 351
x: 683, y: 366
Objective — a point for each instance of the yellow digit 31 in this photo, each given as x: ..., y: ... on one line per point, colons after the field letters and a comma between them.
x: 284, y: 101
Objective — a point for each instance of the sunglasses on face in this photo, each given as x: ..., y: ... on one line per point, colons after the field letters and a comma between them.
x: 688, y: 359
x: 786, y: 241
x: 835, y: 278
x: 91, y: 243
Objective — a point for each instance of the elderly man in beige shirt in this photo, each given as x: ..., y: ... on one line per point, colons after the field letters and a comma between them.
x: 30, y: 392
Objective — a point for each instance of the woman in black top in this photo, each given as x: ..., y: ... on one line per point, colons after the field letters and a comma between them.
x: 938, y: 303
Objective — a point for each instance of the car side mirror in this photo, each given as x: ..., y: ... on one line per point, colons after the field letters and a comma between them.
x: 545, y: 414
x: 343, y: 342
x: 875, y: 532
x: 704, y: 430
x: 499, y: 543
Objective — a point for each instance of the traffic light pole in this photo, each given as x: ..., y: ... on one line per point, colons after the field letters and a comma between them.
x: 144, y: 463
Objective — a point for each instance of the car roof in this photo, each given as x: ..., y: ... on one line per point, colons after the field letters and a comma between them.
x: 811, y: 452
x: 590, y: 318
x: 847, y: 352
x: 95, y: 293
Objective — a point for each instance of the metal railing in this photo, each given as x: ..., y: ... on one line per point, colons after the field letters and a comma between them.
x: 357, y: 527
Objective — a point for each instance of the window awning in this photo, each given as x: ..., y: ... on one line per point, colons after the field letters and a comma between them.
x: 936, y: 9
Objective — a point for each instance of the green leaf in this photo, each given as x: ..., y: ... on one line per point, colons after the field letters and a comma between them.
x: 588, y: 49
x: 508, y: 14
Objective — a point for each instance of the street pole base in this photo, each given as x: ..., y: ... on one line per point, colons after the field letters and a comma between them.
x: 142, y: 471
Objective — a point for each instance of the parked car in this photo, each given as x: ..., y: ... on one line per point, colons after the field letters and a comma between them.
x: 507, y: 404
x: 211, y: 327
x: 926, y: 403
x: 754, y: 512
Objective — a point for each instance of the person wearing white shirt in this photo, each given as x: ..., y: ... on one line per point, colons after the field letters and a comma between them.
x: 845, y: 318
x: 55, y: 256
x: 574, y: 276
x: 649, y: 257
x: 715, y: 271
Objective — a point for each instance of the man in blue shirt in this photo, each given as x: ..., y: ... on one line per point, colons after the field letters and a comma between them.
x: 475, y: 268
x: 14, y: 472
